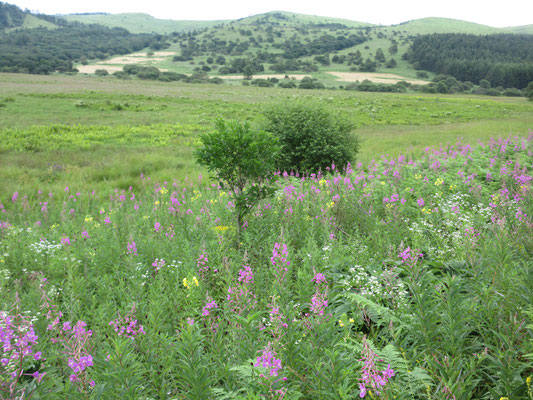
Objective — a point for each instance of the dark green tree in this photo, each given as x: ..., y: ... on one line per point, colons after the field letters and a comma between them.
x: 312, y: 137
x: 380, y: 56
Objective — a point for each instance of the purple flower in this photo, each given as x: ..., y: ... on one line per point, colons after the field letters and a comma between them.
x: 319, y: 278
x: 268, y: 360
x: 65, y: 240
x: 132, y: 249
x: 421, y: 202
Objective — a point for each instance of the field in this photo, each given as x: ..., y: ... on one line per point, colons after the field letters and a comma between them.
x: 59, y: 129
x: 123, y: 275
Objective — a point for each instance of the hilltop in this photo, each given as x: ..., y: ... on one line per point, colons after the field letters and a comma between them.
x: 145, y: 23
x: 141, y: 23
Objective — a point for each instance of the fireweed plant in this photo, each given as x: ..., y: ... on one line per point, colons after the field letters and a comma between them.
x: 401, y: 279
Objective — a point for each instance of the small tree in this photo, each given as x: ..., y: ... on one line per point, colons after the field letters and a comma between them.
x: 248, y: 71
x: 242, y: 160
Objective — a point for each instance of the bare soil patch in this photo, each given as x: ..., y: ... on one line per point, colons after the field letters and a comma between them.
x: 130, y: 60
x: 375, y: 77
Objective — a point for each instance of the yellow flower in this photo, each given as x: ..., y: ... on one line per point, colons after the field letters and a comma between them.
x: 528, y: 381
x: 331, y: 204
x: 163, y: 191
x: 439, y: 182
x: 195, y: 281
x: 186, y: 283
x: 88, y: 219
x: 426, y: 210
x: 145, y: 217
x: 221, y: 228
x: 504, y: 398
x: 222, y: 194
x: 322, y: 182
x: 341, y: 324
x: 156, y: 202
x: 418, y: 176
x: 382, y: 182
x: 351, y: 320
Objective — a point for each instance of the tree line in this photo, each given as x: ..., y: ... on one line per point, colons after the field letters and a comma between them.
x: 43, y: 51
x: 502, y: 59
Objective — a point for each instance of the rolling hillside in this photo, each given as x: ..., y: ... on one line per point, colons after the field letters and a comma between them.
x: 327, y: 51
x: 141, y: 23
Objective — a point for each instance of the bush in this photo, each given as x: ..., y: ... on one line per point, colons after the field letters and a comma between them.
x: 121, y: 75
x: 310, y: 83
x: 312, y: 138
x: 512, y: 92
x: 101, y: 72
x: 262, y: 83
x: 287, y: 84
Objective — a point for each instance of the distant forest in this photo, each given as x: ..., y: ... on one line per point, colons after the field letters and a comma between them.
x: 503, y: 59
x: 43, y: 51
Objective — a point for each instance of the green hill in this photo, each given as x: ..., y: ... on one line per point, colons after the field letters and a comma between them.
x: 12, y: 18
x: 430, y: 25
x: 527, y: 29
x: 141, y: 23
x: 285, y: 18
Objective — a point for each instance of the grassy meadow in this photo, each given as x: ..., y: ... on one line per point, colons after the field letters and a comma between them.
x: 123, y: 275
x: 56, y: 129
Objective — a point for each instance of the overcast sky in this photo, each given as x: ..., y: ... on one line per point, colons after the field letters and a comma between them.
x: 386, y: 12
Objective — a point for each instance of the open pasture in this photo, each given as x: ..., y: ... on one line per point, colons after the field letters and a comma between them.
x: 58, y: 129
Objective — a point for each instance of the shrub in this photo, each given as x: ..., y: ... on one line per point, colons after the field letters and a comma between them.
x: 101, y: 72
x: 121, y: 75
x: 287, y: 84
x: 311, y: 136
x: 310, y: 83
x: 262, y: 83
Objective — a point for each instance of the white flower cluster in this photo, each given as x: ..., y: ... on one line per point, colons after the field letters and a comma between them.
x: 5, y: 275
x: 45, y: 248
x: 385, y: 286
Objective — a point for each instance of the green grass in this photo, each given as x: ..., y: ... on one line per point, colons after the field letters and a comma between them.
x: 142, y: 23
x: 31, y: 21
x: 56, y: 129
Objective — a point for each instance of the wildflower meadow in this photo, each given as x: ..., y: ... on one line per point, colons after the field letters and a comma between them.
x: 400, y: 278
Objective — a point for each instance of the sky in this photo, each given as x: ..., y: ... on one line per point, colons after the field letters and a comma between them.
x: 385, y: 12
